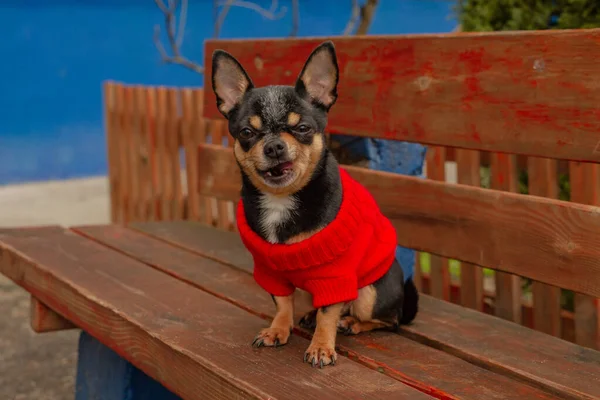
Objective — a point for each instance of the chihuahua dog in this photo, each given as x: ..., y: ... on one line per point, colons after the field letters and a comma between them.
x: 305, y: 221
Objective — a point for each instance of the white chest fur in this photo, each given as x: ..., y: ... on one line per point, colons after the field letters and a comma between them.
x: 274, y: 211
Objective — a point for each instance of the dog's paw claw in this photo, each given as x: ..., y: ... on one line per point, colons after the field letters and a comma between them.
x: 271, y: 337
x: 320, y: 355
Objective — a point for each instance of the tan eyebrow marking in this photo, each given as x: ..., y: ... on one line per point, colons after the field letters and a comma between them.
x: 293, y: 119
x: 256, y: 122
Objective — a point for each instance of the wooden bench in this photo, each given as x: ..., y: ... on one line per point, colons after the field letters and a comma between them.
x: 172, y: 304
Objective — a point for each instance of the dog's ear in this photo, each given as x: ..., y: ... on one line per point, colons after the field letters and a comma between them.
x: 318, y: 80
x: 229, y: 80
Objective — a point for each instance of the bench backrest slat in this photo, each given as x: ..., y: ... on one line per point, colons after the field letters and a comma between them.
x: 533, y: 93
x: 550, y: 241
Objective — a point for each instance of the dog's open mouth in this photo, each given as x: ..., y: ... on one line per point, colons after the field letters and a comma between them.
x: 279, y: 171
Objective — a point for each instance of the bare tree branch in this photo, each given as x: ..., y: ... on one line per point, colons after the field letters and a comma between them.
x: 174, y: 35
x: 367, y: 12
x: 354, y: 17
x: 182, y: 22
x: 175, y: 29
x: 295, y: 18
x: 162, y: 6
x: 361, y: 15
x: 221, y: 15
x: 272, y: 13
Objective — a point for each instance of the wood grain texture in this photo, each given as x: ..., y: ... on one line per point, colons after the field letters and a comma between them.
x: 143, y: 153
x: 471, y: 276
x: 43, y: 319
x: 509, y: 348
x: 112, y: 146
x: 503, y: 176
x: 132, y: 135
x: 429, y: 370
x: 567, y: 322
x: 505, y: 347
x: 585, y: 189
x: 439, y: 273
x: 543, y: 181
x: 519, y: 92
x: 122, y: 128
x: 218, y: 173
x: 197, y: 136
x: 551, y: 241
x: 220, y: 138
x: 190, y: 106
x: 173, y: 164
x: 153, y: 321
x: 162, y: 162
x: 217, y: 244
x: 151, y: 137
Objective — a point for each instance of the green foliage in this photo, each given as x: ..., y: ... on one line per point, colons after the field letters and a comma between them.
x: 504, y: 15
x: 509, y: 15
x: 576, y: 14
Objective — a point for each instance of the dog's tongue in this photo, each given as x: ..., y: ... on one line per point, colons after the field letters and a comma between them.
x: 284, y: 166
x: 281, y: 169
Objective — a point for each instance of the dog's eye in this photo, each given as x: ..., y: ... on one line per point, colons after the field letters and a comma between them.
x: 302, y: 128
x: 246, y: 133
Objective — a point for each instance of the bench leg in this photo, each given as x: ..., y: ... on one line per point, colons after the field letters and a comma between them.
x: 103, y: 375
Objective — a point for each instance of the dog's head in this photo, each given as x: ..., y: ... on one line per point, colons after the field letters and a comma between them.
x: 278, y: 130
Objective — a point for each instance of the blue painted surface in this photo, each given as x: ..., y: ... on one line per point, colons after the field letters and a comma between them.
x: 103, y: 375
x: 56, y: 54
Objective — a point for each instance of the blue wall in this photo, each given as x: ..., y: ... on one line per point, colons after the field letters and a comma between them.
x: 56, y: 53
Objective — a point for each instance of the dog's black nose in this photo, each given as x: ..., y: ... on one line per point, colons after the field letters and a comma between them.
x: 275, y: 149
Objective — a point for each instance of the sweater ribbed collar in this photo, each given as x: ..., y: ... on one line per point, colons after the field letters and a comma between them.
x: 321, y: 248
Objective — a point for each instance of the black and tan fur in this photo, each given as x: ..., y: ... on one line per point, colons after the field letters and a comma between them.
x: 291, y: 189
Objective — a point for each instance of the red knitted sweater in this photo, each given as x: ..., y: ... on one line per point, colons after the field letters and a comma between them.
x: 354, y: 250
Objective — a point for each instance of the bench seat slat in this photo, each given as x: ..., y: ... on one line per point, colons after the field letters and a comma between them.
x: 181, y: 336
x: 430, y: 370
x: 551, y: 241
x: 512, y: 92
x: 491, y: 342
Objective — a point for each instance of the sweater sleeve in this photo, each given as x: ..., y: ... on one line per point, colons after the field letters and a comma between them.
x: 272, y: 281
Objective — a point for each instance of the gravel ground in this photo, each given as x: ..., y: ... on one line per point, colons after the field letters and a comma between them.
x: 42, y: 366
x: 32, y: 366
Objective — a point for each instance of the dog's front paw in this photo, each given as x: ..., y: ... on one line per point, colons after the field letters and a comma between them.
x: 320, y: 354
x: 272, y: 337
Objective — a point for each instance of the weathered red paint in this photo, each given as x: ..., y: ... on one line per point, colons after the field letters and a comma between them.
x: 474, y: 60
x: 504, y: 84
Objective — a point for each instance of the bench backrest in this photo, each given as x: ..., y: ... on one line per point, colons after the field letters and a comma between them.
x: 529, y: 93
x: 533, y: 93
x: 502, y: 100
